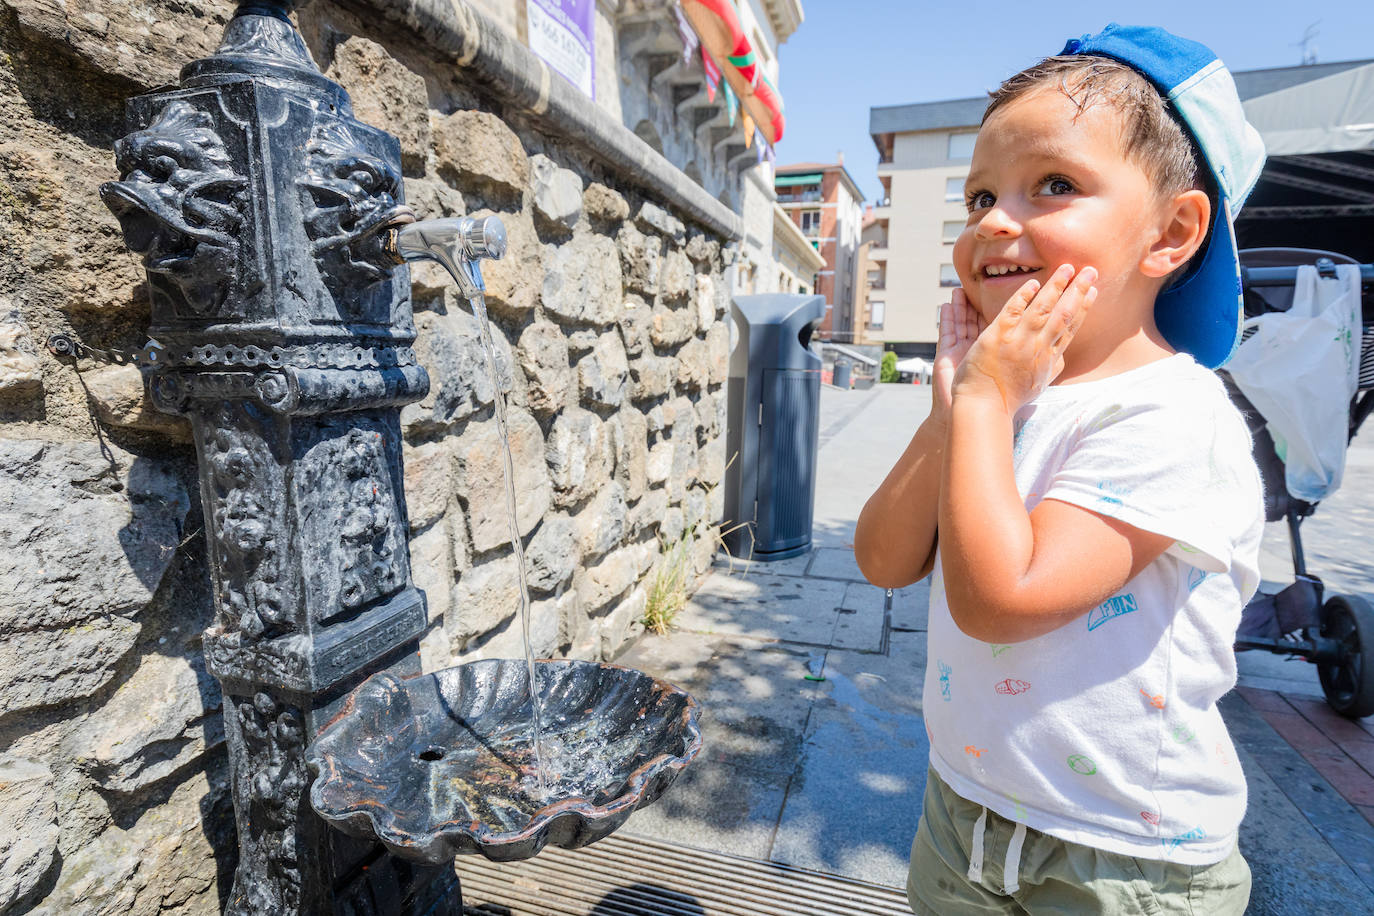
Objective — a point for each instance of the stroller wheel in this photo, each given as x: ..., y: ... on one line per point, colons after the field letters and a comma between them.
x: 1349, y: 681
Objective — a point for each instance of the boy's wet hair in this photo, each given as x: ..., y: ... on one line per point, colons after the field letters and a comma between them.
x: 1151, y: 136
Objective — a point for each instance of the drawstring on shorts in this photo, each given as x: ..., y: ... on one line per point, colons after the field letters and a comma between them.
x: 1011, y: 867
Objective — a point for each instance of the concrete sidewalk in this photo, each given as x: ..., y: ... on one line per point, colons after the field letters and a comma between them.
x: 810, y: 682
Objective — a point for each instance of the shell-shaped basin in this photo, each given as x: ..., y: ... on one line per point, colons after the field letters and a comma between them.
x: 442, y: 764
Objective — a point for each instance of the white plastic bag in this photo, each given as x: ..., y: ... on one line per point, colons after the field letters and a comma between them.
x: 1300, y: 369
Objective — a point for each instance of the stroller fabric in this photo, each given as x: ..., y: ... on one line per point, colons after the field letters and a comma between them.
x: 1300, y: 369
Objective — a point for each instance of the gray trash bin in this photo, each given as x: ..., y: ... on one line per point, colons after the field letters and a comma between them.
x: 772, y: 426
x: 842, y: 370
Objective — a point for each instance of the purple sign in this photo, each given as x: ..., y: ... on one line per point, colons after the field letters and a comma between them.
x: 561, y: 33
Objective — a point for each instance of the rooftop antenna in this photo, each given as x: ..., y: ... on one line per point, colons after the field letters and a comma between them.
x: 1309, y: 48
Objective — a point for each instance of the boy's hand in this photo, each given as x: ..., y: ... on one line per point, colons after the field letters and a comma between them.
x: 1022, y: 350
x: 960, y: 325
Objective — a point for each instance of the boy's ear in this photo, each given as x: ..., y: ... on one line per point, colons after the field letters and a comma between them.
x: 1182, y: 230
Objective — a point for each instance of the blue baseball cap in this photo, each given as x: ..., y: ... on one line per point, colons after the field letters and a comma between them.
x: 1202, y: 313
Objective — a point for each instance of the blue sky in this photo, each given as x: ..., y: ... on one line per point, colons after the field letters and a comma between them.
x: 850, y: 55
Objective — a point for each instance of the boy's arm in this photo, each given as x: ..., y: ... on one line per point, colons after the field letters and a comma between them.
x: 895, y: 537
x: 1012, y: 575
x: 894, y: 540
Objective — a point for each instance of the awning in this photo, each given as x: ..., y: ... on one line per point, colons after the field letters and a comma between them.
x: 787, y: 181
x: 1328, y: 115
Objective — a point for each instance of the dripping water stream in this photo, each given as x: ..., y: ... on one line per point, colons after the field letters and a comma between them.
x: 479, y: 308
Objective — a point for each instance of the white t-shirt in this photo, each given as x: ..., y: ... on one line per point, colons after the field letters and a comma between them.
x: 1105, y: 732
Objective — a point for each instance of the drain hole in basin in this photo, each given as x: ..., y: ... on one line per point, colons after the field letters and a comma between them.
x: 432, y: 753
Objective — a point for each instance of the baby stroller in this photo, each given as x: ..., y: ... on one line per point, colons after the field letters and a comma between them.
x: 1335, y: 633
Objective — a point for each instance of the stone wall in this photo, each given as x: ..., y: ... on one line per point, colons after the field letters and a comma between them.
x: 608, y: 320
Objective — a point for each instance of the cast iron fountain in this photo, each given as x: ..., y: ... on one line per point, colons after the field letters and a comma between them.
x: 274, y: 232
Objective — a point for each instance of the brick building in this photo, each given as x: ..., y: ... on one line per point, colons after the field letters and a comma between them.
x: 825, y: 203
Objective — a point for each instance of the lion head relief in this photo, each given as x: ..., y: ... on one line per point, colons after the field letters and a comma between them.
x: 180, y: 205
x: 349, y: 197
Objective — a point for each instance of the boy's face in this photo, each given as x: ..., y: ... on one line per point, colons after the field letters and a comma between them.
x: 1047, y: 188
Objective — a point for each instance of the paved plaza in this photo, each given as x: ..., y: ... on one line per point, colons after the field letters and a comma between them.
x: 810, y: 681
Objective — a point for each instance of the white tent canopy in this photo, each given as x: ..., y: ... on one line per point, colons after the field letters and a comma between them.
x: 1328, y: 115
x: 914, y: 365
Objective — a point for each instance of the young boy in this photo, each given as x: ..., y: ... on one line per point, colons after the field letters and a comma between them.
x: 1084, y: 493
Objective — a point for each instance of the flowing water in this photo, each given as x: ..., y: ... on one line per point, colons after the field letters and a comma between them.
x: 479, y: 308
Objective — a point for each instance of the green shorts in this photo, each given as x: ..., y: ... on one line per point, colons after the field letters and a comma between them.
x: 1051, y: 875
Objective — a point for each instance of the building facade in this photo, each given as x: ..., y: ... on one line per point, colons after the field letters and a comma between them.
x: 825, y: 203
x: 923, y: 158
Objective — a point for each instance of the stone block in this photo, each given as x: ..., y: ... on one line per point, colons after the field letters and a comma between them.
x: 717, y: 353
x: 436, y: 651
x: 604, y: 205
x: 579, y: 456
x: 653, y: 218
x: 695, y: 508
x: 552, y: 555
x: 635, y: 320
x: 508, y: 640
x: 703, y: 249
x: 386, y: 95
x: 162, y: 862
x: 652, y: 375
x: 684, y: 467
x: 711, y: 461
x: 632, y: 452
x: 65, y: 250
x: 121, y: 400
x: 481, y: 481
x: 678, y: 279
x: 603, y: 373
x: 641, y: 256
x: 513, y: 282
x: 166, y: 715
x: 449, y: 346
x: 28, y: 827
x: 486, y: 596
x: 21, y: 376
x: 672, y: 326
x: 603, y: 583
x: 707, y: 419
x: 85, y: 540
x: 704, y: 298
x: 429, y: 482
x: 660, y: 462
x: 146, y: 43
x: 432, y: 198
x: 582, y: 280
x: 543, y: 354
x: 693, y: 365
x: 673, y: 524
x: 601, y: 524
x: 477, y: 148
x: 432, y: 569
x: 623, y: 623
x: 557, y: 192
x: 648, y: 514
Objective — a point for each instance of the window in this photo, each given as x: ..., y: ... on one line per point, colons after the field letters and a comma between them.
x: 954, y: 189
x: 811, y: 222
x: 961, y: 146
x: 947, y: 275
x: 876, y: 311
x: 949, y: 232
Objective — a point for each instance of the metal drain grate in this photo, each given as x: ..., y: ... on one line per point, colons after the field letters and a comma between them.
x: 622, y: 876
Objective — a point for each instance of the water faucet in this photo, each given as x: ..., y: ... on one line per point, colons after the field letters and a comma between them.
x: 459, y: 244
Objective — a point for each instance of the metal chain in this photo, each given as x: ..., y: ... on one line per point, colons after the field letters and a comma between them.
x: 62, y: 345
x: 319, y: 356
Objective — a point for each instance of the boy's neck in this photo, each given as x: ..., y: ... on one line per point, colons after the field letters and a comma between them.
x: 1133, y: 342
